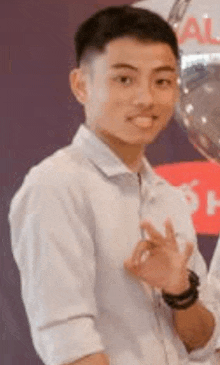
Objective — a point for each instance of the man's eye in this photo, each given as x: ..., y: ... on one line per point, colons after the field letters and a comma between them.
x: 163, y: 82
x: 125, y: 80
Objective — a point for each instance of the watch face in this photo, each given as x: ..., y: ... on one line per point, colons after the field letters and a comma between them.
x: 198, y: 111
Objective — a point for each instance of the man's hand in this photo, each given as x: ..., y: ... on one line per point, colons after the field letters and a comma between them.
x: 159, y: 262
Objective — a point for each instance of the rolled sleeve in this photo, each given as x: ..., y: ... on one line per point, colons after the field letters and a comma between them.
x: 68, y: 341
x: 54, y: 250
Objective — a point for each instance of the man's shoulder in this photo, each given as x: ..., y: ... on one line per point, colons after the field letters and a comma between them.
x: 64, y: 166
x: 60, y: 174
x: 60, y: 177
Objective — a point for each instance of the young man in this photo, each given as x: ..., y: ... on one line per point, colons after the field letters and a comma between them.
x: 104, y: 246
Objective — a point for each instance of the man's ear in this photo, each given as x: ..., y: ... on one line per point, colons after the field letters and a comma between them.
x: 78, y: 85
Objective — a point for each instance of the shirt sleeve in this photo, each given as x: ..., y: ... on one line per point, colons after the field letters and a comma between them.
x: 53, y: 246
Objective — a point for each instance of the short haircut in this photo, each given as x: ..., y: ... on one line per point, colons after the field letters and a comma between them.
x: 119, y: 21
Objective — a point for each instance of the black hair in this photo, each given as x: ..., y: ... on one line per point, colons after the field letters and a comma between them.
x: 119, y: 21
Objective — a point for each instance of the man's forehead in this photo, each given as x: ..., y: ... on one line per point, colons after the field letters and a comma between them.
x: 132, y: 52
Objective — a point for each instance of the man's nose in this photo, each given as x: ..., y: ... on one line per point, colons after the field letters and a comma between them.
x: 144, y: 95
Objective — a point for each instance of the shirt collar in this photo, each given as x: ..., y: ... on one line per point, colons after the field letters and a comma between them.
x: 104, y: 158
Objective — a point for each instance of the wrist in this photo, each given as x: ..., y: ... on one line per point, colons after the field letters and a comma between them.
x: 187, y: 298
x: 180, y: 286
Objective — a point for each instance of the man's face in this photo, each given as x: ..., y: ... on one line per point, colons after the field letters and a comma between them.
x: 132, y: 90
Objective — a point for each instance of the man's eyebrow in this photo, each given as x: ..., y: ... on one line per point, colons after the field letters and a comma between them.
x: 165, y: 68
x: 124, y: 65
x: 157, y: 69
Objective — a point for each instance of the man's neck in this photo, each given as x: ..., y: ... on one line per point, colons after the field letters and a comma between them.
x: 130, y: 154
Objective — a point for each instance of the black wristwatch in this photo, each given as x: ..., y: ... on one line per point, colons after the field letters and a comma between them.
x: 187, y: 298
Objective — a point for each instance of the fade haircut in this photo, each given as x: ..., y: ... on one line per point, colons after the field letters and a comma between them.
x: 119, y: 21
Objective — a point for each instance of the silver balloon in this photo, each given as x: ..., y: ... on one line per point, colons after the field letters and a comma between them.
x: 199, y: 109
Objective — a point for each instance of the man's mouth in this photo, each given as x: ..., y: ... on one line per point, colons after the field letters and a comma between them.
x: 143, y: 121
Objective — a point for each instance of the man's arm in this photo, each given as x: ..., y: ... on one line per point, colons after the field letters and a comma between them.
x: 95, y: 359
x: 159, y: 262
x: 54, y: 250
x: 194, y: 325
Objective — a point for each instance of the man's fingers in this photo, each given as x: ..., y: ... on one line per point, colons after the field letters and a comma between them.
x: 140, y: 253
x: 170, y: 234
x: 140, y: 250
x: 188, y: 251
x: 154, y: 235
x: 133, y: 259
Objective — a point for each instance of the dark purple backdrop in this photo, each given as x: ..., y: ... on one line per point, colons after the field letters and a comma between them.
x: 38, y: 116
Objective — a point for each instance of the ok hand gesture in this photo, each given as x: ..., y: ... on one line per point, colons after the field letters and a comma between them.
x: 158, y: 260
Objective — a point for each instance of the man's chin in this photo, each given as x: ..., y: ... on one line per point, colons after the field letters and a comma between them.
x: 144, y: 139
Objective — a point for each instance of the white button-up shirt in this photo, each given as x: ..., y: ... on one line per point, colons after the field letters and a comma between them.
x: 73, y: 223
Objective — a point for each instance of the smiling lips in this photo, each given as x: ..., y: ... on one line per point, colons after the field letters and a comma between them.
x: 143, y: 121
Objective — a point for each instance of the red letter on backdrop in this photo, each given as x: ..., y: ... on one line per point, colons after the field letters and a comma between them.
x: 208, y: 32
x: 190, y: 31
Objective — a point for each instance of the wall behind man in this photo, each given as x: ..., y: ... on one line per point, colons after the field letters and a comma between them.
x: 38, y: 116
